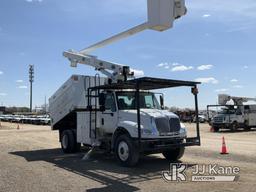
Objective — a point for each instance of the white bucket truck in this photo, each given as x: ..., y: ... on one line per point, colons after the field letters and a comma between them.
x: 234, y: 115
x: 121, y: 114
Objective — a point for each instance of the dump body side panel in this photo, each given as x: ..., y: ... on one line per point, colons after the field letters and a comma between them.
x: 70, y: 96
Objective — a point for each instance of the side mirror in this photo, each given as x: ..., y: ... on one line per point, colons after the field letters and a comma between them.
x: 102, y: 98
x: 162, y: 101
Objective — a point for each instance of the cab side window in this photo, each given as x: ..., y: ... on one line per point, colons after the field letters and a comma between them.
x: 149, y: 101
x: 110, y: 102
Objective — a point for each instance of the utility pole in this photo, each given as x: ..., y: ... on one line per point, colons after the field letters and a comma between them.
x: 45, y: 105
x: 31, y: 80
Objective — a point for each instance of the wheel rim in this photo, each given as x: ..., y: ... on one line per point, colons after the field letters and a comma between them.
x: 64, y: 141
x: 123, y: 151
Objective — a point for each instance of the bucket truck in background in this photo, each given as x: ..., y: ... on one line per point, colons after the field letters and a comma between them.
x: 234, y: 114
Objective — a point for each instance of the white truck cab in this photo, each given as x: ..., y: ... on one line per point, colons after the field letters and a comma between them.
x: 120, y: 106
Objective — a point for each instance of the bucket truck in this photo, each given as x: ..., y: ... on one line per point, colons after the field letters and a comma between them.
x: 119, y: 113
x: 235, y: 115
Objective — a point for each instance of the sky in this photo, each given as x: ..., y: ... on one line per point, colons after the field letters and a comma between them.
x: 214, y: 43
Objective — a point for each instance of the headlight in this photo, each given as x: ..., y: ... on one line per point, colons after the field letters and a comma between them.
x: 182, y: 125
x: 150, y: 129
x: 183, y: 132
x: 146, y: 132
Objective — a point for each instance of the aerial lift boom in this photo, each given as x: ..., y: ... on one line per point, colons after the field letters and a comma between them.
x: 223, y: 99
x: 115, y: 72
x: 161, y: 15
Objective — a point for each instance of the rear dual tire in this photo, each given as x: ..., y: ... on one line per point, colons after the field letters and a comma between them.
x: 68, y: 142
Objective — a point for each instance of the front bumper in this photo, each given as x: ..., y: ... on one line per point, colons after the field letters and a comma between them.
x: 150, y: 146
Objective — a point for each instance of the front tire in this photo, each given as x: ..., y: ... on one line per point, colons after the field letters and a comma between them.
x: 216, y: 129
x: 174, y: 154
x: 126, y: 151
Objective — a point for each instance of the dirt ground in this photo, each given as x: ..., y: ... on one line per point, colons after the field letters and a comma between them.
x: 31, y: 160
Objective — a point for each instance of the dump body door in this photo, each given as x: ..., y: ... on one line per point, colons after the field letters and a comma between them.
x: 84, y: 135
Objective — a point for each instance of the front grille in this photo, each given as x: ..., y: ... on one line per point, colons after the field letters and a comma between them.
x: 163, y: 125
x: 166, y: 125
x: 218, y: 119
x: 175, y: 124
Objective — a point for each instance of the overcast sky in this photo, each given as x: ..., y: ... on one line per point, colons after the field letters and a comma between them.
x: 214, y: 43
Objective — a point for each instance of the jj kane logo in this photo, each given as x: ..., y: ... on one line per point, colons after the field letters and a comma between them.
x: 176, y: 173
x: 201, y: 173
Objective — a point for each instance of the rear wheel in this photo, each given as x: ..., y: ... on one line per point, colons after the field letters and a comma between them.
x: 77, y: 145
x: 174, y: 154
x: 126, y: 151
x: 68, y: 144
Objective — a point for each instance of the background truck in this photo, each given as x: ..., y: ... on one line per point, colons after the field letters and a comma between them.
x: 233, y: 116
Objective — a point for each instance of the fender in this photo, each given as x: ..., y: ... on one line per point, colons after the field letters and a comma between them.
x: 118, y: 131
x: 130, y: 127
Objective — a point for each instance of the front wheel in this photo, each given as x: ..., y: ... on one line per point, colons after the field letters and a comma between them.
x: 174, y: 154
x: 126, y: 151
x: 216, y: 129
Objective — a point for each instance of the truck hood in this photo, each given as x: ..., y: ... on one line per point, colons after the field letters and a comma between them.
x: 218, y: 115
x: 155, y: 113
x: 153, y: 123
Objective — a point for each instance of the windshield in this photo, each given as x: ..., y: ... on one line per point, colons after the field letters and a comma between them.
x: 126, y: 100
x: 227, y: 111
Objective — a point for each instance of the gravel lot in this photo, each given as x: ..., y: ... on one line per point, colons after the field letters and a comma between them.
x: 31, y: 160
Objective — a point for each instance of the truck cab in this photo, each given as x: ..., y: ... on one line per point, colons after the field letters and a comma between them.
x: 120, y: 107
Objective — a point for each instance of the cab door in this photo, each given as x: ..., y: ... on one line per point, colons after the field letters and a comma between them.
x: 108, y: 118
